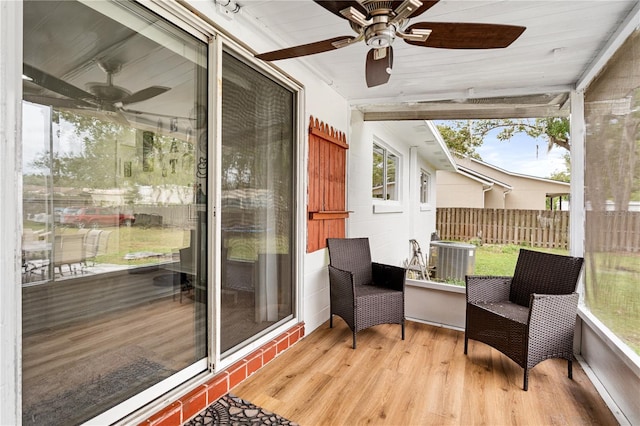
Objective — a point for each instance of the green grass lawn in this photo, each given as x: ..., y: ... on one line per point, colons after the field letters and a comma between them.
x: 494, y: 259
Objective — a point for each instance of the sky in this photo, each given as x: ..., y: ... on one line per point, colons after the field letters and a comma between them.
x: 522, y: 154
x: 37, y: 135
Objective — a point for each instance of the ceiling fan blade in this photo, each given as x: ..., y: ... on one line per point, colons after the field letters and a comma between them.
x: 145, y: 94
x: 78, y: 107
x: 56, y: 102
x: 460, y: 35
x: 307, y: 49
x: 336, y: 6
x: 57, y: 85
x: 426, y: 5
x: 378, y: 69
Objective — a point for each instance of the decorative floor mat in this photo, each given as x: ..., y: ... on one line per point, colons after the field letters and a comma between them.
x: 231, y: 410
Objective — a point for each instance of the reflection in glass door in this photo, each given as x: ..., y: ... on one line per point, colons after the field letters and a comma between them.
x: 114, y: 283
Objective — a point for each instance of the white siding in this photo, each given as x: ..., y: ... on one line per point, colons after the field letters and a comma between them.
x: 389, y: 233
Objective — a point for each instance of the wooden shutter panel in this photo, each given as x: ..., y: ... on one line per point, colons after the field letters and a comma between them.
x: 326, y: 192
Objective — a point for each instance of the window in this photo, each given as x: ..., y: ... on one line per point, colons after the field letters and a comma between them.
x: 114, y: 250
x: 425, y: 183
x: 612, y: 195
x: 385, y: 173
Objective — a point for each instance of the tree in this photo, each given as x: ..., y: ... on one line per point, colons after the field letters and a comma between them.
x: 108, y: 157
x: 555, y: 129
x: 460, y: 138
x: 466, y: 135
x: 563, y: 175
x: 463, y: 137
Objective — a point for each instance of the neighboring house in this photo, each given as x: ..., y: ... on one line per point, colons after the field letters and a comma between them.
x: 476, y: 184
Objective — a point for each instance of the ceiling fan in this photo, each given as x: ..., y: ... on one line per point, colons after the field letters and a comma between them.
x: 379, y: 23
x: 103, y: 97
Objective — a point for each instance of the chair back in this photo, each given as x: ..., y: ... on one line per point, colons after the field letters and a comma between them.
x: 353, y: 255
x: 68, y: 249
x: 543, y: 273
x: 91, y: 241
x: 186, y: 259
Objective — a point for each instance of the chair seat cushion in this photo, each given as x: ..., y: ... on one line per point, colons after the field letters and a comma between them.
x: 370, y: 290
x: 506, y: 309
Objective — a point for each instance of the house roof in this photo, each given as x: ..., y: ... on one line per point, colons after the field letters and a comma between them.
x: 467, y: 169
x: 425, y: 136
x: 484, y: 179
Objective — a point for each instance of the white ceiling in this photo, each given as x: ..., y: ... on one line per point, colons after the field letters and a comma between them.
x: 563, y: 38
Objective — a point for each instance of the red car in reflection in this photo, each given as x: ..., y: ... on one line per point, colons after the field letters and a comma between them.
x: 98, y: 216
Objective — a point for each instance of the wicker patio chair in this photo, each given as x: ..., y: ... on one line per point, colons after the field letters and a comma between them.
x: 529, y: 317
x: 363, y: 293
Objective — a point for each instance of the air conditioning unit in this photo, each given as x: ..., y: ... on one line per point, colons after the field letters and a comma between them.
x: 451, y: 260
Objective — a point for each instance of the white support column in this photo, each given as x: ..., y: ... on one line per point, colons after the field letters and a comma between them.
x: 10, y: 215
x: 578, y: 138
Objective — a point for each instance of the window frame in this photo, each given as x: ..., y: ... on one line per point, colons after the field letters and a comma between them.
x: 385, y: 205
x: 425, y: 193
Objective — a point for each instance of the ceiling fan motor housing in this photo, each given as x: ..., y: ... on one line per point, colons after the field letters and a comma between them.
x: 380, y: 35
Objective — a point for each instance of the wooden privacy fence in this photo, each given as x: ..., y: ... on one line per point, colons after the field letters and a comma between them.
x: 536, y: 228
x: 613, y: 231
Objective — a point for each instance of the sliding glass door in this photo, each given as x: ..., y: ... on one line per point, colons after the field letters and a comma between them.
x: 258, y: 204
x: 116, y: 255
x: 114, y: 248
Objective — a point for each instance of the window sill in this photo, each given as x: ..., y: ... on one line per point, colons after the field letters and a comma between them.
x: 425, y: 207
x: 433, y: 285
x: 387, y: 207
x: 613, y: 342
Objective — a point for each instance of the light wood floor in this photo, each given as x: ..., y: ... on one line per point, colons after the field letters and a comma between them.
x: 424, y: 380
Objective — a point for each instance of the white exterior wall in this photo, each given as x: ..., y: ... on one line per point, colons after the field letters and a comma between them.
x: 389, y: 233
x: 386, y: 231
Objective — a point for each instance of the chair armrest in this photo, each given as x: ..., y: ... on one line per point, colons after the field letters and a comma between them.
x: 341, y: 285
x: 388, y: 276
x: 487, y: 288
x: 558, y: 309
